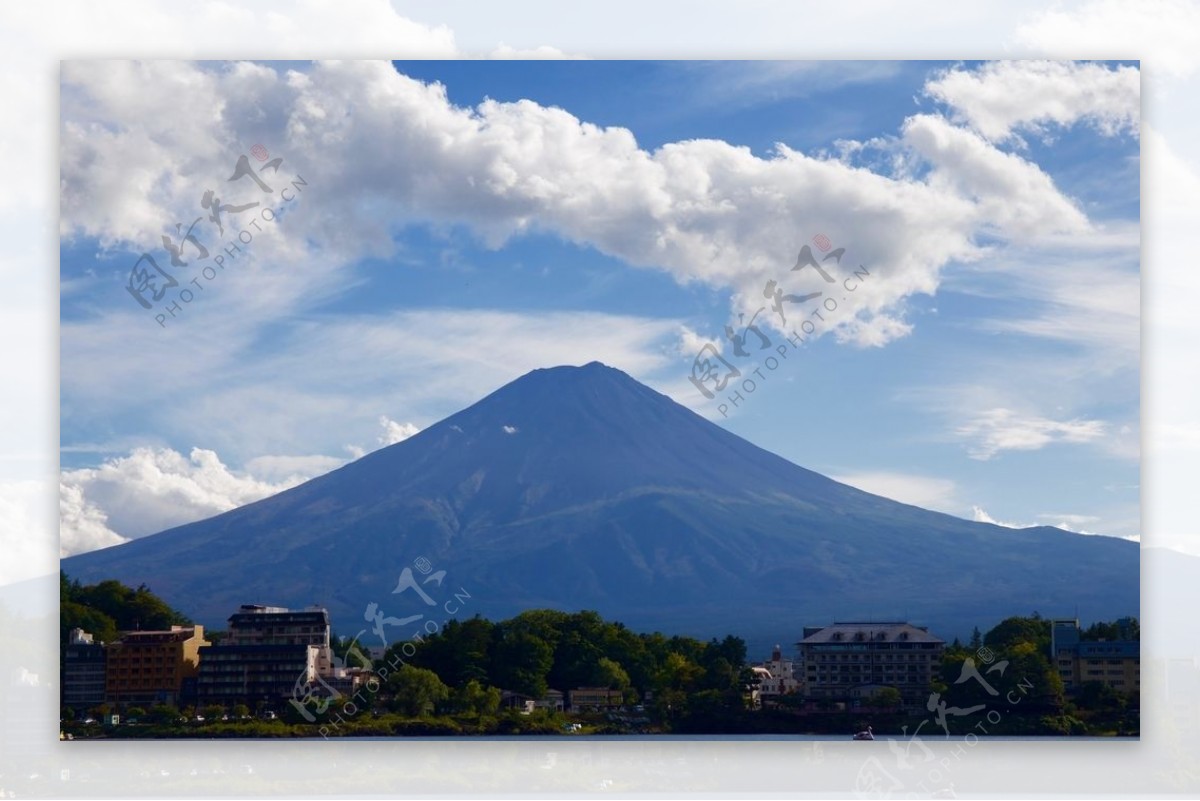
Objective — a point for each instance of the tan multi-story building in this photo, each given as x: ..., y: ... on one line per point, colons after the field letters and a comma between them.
x: 1116, y: 663
x: 846, y: 660
x: 777, y: 676
x: 150, y: 667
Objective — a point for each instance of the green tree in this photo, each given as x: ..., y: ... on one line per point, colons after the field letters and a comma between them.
x: 1033, y: 677
x: 713, y: 711
x: 163, y: 714
x: 73, y: 615
x: 610, y: 674
x: 576, y: 658
x: 212, y: 712
x: 669, y: 705
x: 522, y: 661
x: 476, y: 699
x: 1022, y: 677
x: 302, y: 712
x: 1098, y: 696
x: 731, y: 649
x: 459, y: 652
x: 416, y: 691
x: 349, y: 651
x: 1015, y: 630
x: 886, y: 698
x: 241, y: 711
x: 720, y: 675
x: 109, y: 607
x: 677, y: 672
x: 1124, y: 629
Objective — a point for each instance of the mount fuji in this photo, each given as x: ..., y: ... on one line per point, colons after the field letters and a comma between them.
x: 581, y: 488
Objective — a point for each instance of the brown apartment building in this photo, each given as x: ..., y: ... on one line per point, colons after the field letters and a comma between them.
x: 151, y: 667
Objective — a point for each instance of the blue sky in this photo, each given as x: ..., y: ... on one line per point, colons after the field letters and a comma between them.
x: 532, y: 213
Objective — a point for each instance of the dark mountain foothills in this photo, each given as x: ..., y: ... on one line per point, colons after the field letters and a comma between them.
x: 580, y: 488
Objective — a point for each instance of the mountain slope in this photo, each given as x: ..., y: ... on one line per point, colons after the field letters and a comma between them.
x: 578, y: 487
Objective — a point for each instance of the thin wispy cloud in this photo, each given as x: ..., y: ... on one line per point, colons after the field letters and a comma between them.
x: 928, y: 492
x: 1067, y: 522
x: 997, y: 430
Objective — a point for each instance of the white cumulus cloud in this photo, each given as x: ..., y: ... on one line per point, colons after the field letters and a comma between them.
x: 394, y: 432
x: 82, y: 525
x: 1002, y: 98
x: 152, y: 489
x: 1010, y: 194
x: 700, y: 209
x: 147, y: 491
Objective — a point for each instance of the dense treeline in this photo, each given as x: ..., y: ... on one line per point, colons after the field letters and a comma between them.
x: 451, y: 682
x: 109, y: 607
x: 1112, y: 631
x: 681, y: 679
x: 1023, y: 685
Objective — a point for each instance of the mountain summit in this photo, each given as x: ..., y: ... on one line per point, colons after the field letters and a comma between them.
x: 579, y: 487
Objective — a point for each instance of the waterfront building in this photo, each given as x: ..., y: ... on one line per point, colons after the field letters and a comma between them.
x: 149, y: 667
x: 777, y: 676
x: 845, y: 659
x: 1116, y: 663
x: 83, y: 672
x: 269, y: 654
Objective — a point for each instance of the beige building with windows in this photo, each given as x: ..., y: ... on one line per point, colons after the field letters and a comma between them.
x: 845, y: 659
x: 777, y: 676
x: 1116, y: 663
x: 149, y: 667
x: 582, y: 698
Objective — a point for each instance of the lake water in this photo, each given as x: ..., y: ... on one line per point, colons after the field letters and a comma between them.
x: 659, y: 738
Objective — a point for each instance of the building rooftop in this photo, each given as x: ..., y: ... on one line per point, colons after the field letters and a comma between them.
x: 865, y: 631
x: 174, y: 634
x: 267, y: 615
x: 80, y: 637
x: 213, y: 651
x: 1102, y: 648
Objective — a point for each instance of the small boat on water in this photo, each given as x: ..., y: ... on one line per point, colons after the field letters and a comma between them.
x: 865, y: 735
